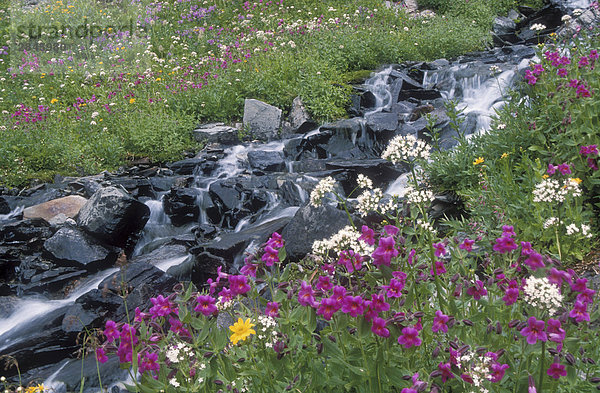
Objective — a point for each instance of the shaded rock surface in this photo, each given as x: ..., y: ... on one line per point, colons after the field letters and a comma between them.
x: 263, y: 120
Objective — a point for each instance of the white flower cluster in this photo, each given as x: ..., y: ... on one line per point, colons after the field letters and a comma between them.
x: 551, y: 222
x: 418, y: 196
x: 573, y: 229
x: 425, y: 225
x: 538, y: 27
x: 368, y: 201
x: 265, y: 329
x: 345, y: 239
x: 178, y: 352
x: 406, y: 148
x: 363, y: 181
x: 223, y: 305
x: 541, y: 293
x: 325, y: 185
x: 552, y: 190
x: 566, y: 18
x: 478, y: 368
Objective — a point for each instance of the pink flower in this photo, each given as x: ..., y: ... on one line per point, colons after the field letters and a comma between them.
x: 579, y: 312
x: 351, y: 260
x: 445, y: 370
x: 497, y: 371
x: 467, y: 245
x: 378, y: 327
x: 385, y: 251
x: 564, y: 169
x: 276, y: 241
x: 579, y: 285
x: 555, y: 332
x: 395, y: 288
x: 111, y: 332
x: 537, y: 69
x: 409, y: 337
x: 206, y: 305
x: 306, y: 295
x: 378, y: 303
x: 327, y: 308
x: 162, y: 307
x: 439, y: 322
x: 557, y: 277
x: 551, y: 169
x: 511, y: 295
x: 101, y: 355
x: 238, y: 284
x: 324, y: 283
x: 353, y: 305
x: 147, y: 361
x: 440, y: 249
x: 535, y: 261
x: 368, y: 235
x: 583, y: 62
x: 272, y: 309
x: 534, y: 331
x: 177, y: 327
x: 477, y: 290
x: 439, y: 268
x: 531, y: 79
x: 391, y: 230
x: 556, y: 370
x: 270, y: 256
x: 562, y: 72
x: 504, y: 244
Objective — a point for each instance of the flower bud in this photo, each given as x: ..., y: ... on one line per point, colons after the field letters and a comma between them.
x: 332, y: 338
x: 513, y: 323
x: 498, y: 328
x: 570, y: 359
x: 218, y: 382
x: 419, y: 314
x: 595, y: 380
x: 467, y: 322
x: 208, y: 354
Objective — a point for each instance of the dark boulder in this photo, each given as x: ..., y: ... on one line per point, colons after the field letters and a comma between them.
x: 112, y: 216
x: 72, y: 247
x: 4, y: 206
x: 180, y: 205
x: 266, y: 161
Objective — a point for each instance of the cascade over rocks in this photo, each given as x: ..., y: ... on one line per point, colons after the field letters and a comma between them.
x: 113, y: 216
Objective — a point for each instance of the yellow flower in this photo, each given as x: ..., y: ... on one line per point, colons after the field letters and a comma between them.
x: 241, y: 330
x: 478, y: 161
x: 53, y: 101
x: 35, y: 389
x: 576, y: 180
x: 545, y: 176
x: 131, y: 100
x: 504, y: 155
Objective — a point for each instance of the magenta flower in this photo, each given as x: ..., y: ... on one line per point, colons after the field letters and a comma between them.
x: 395, y: 288
x: 378, y: 327
x: 226, y: 294
x: 276, y: 241
x: 511, y: 295
x: 445, y: 370
x: 564, y: 169
x: 206, y: 305
x: 589, y: 150
x: 504, y: 244
x: 272, y: 309
x: 562, y: 72
x: 534, y: 331
x: 594, y: 54
x: 391, y: 230
x: 477, y: 291
x: 327, y: 308
x: 526, y: 248
x: 306, y: 295
x: 556, y: 370
x: 508, y: 231
x: 111, y: 332
x: 411, y: 256
x: 148, y: 361
x: 467, y: 245
x: 125, y: 352
x: 249, y: 269
x: 535, y: 261
x: 353, y: 305
x: 409, y: 390
x: 339, y: 293
x: 324, y: 283
x: 161, y: 307
x: 238, y: 284
x: 582, y: 91
x: 139, y: 315
x: 555, y: 332
x: 579, y: 285
x: 551, y: 169
x: 592, y: 163
x: 579, y: 312
x: 409, y: 337
x: 557, y: 277
x: 531, y: 79
x: 439, y: 322
x: 587, y: 296
x: 351, y: 260
x: 583, y: 62
x: 385, y: 251
x: 368, y: 235
x: 270, y: 256
x: 537, y: 69
x: 101, y: 355
x: 440, y: 249
x: 573, y: 83
x: 177, y: 327
x: 439, y: 267
x: 378, y: 303
x: 497, y: 371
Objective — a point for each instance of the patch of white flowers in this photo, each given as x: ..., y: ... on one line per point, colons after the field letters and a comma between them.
x: 406, y: 149
x: 552, y: 190
x: 223, y: 305
x: 538, y: 27
x: 552, y: 221
x: 363, y: 181
x: 418, y: 196
x: 425, y: 225
x: 325, y: 185
x: 368, y: 201
x: 478, y: 368
x: 345, y: 239
x: 178, y: 352
x: 572, y: 229
x: 541, y: 293
x: 265, y: 330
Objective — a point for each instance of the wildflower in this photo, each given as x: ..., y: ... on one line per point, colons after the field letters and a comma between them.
x: 445, y: 370
x: 538, y: 27
x: 368, y: 201
x: 101, y: 355
x: 467, y: 245
x: 111, y: 332
x: 439, y: 322
x: 276, y: 241
x: 562, y: 72
x: 363, y: 181
x: 351, y: 260
x: 477, y: 291
x: 541, y: 293
x: 534, y: 331
x: 53, y: 101
x: 409, y: 337
x: 556, y: 370
x: 511, y: 295
x: 206, y: 305
x: 440, y: 249
x: 368, y: 235
x: 272, y: 309
x: 378, y: 327
x: 504, y: 155
x: 270, y: 256
x: 439, y: 267
x: 566, y: 18
x: 418, y: 196
x: 177, y: 327
x: 583, y: 62
x: 497, y: 371
x: 306, y: 295
x: 324, y: 283
x: 478, y: 160
x: 564, y: 169
x: 327, y: 308
x: 241, y: 330
x: 395, y: 288
x: 353, y: 305
x: 582, y: 91
x: 385, y: 251
x: 238, y: 284
x: 534, y: 261
x: 537, y: 69
x: 162, y: 307
x: 406, y: 149
x: 131, y: 100
x: 378, y: 303
x: 325, y: 186
x: 557, y: 277
x: 504, y: 244
x: 531, y: 79
x: 555, y: 332
x: 579, y: 312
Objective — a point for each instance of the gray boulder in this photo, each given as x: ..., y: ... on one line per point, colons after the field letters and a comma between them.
x: 112, y: 216
x: 216, y: 133
x: 262, y: 119
x: 267, y: 161
x: 300, y: 120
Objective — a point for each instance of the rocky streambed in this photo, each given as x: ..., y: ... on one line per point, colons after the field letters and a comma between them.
x: 70, y: 250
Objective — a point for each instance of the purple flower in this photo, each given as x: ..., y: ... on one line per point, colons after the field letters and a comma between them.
x: 579, y: 285
x: 573, y: 83
x: 378, y: 327
x: 439, y: 322
x: 511, y: 295
x: 535, y: 261
x: 327, y: 308
x: 586, y: 296
x: 147, y: 361
x: 353, y: 305
x: 445, y: 370
x: 206, y: 305
x: 589, y: 150
x: 368, y: 235
x: 582, y: 91
x: 583, y: 62
x: 249, y: 269
x: 351, y: 260
x: 276, y: 241
x: 324, y: 283
x: 556, y: 370
x: 562, y: 72
x: 537, y: 69
x: 555, y: 332
x: 111, y: 332
x: 564, y: 169
x: 391, y: 230
x: 579, y: 312
x: 593, y: 54
x: 592, y: 163
x: 439, y: 268
x: 551, y: 169
x: 440, y: 249
x: 477, y: 290
x: 531, y: 79
x: 177, y: 327
x: 272, y: 309
x: 101, y: 355
x: 161, y: 307
x: 534, y: 331
x: 557, y: 277
x: 385, y: 251
x: 238, y: 284
x: 411, y: 256
x: 306, y: 295
x: 467, y: 245
x: 409, y: 337
x: 378, y: 303
x: 395, y: 288
x: 497, y: 371
x: 270, y: 256
x: 504, y: 244
x: 409, y: 390
x: 526, y: 248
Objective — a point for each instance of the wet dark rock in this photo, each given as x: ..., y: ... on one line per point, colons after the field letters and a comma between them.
x: 27, y: 235
x: 112, y: 216
x: 367, y: 100
x: 204, y: 267
x: 4, y: 206
x: 42, y: 277
x: 419, y: 94
x: 236, y: 198
x: 447, y: 206
x: 382, y: 121
x: 85, y: 186
x: 309, y: 224
x: 403, y: 107
x: 299, y: 118
x: 180, y: 205
x: 380, y: 171
x: 164, y: 253
x: 267, y: 161
x: 187, y: 166
x: 136, y: 187
x: 292, y: 193
x: 72, y: 247
x: 503, y: 25
x: 8, y: 304
x: 216, y: 133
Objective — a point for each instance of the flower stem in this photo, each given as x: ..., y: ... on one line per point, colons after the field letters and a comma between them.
x: 542, y: 358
